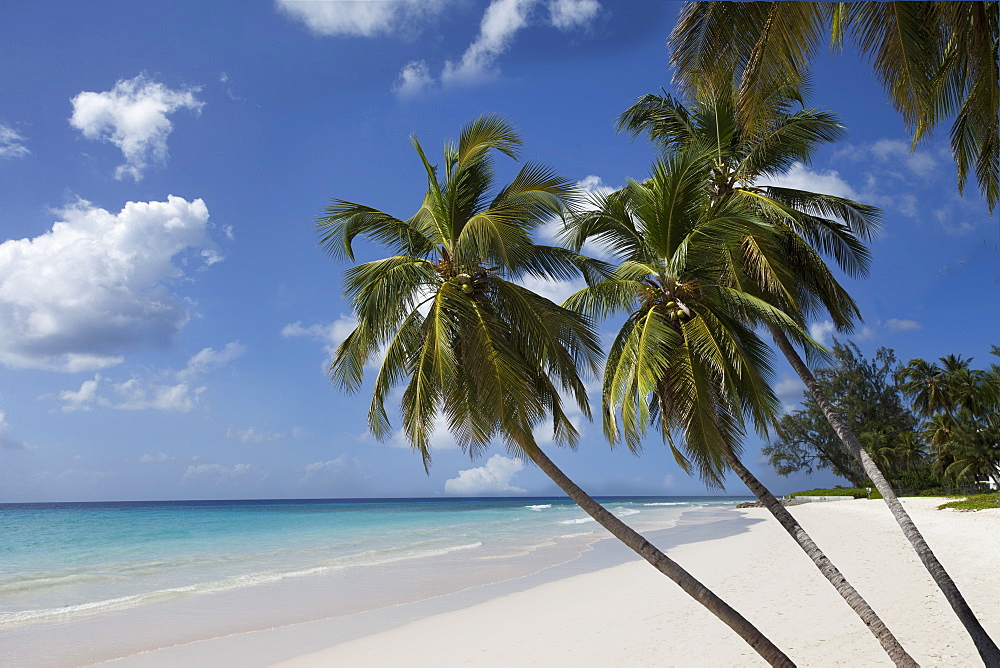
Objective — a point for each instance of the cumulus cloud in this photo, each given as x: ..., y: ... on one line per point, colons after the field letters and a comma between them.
x: 801, y: 177
x: 97, y: 284
x: 134, y: 117
x: 556, y: 291
x: 503, y: 19
x: 500, y: 24
x: 892, y: 153
x: 254, y: 435
x: 331, y: 334
x: 492, y: 478
x: 789, y: 391
x: 177, y: 392
x: 332, y: 469
x: 902, y: 325
x: 6, y: 441
x: 157, y: 457
x: 821, y: 331
x: 218, y: 472
x: 11, y: 143
x: 590, y: 190
x: 568, y: 14
x: 414, y: 79
x: 208, y: 359
x: 360, y: 18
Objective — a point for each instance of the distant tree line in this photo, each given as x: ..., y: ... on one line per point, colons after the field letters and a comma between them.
x: 926, y: 424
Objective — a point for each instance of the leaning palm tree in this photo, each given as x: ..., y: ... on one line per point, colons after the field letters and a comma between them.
x: 750, y: 147
x: 687, y: 358
x: 935, y: 59
x: 470, y: 344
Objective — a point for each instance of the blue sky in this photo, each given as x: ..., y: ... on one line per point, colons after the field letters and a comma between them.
x: 166, y: 316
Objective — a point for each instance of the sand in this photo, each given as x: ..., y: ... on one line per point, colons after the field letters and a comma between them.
x: 630, y: 615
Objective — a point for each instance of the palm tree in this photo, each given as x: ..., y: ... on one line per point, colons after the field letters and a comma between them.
x: 909, y: 451
x: 959, y: 404
x: 687, y: 358
x: 749, y: 146
x: 470, y: 344
x: 935, y: 59
x: 748, y: 150
x: 924, y: 383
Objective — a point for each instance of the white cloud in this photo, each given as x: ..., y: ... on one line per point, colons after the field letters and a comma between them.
x: 492, y: 478
x: 342, y: 466
x: 6, y: 441
x: 503, y: 19
x: 902, y: 325
x: 590, y: 190
x: 254, y: 435
x: 11, y: 143
x: 567, y: 14
x: 866, y: 333
x: 821, y: 331
x: 208, y: 359
x: 331, y: 335
x: 892, y: 153
x: 217, y: 471
x: 554, y: 290
x: 789, y: 391
x: 360, y: 18
x: 413, y: 80
x: 178, y: 393
x: 801, y: 177
x: 157, y: 457
x: 97, y: 284
x: 136, y: 395
x: 501, y: 22
x: 82, y: 399
x: 133, y: 117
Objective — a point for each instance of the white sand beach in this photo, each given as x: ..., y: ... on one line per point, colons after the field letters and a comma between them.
x: 630, y: 615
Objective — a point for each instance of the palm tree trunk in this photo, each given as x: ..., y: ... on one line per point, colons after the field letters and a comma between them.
x: 987, y: 648
x: 885, y: 637
x: 661, y: 562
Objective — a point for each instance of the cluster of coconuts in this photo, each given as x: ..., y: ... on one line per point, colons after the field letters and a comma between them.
x: 464, y: 281
x: 676, y: 311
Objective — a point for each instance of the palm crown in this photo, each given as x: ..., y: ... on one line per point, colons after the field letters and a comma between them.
x: 747, y: 149
x: 935, y: 59
x: 686, y: 355
x: 490, y: 356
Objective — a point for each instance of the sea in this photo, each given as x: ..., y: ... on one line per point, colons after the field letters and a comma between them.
x: 201, y: 568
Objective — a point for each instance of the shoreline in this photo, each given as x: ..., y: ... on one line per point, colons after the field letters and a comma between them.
x: 286, y: 642
x: 89, y: 637
x: 627, y: 614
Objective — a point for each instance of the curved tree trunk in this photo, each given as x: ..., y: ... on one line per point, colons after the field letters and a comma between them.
x: 661, y: 562
x: 885, y: 637
x: 987, y: 648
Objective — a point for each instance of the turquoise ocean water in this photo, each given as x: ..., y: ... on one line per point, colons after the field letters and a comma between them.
x: 66, y: 563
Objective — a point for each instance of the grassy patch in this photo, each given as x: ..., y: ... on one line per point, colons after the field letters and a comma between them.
x: 838, y: 491
x: 974, y: 502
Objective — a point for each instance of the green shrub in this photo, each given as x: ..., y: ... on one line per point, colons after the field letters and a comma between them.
x: 974, y: 502
x: 839, y: 491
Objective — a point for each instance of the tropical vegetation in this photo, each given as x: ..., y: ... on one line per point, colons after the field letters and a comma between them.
x: 928, y: 425
x: 682, y: 280
x: 709, y: 253
x: 444, y: 315
x: 936, y: 60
